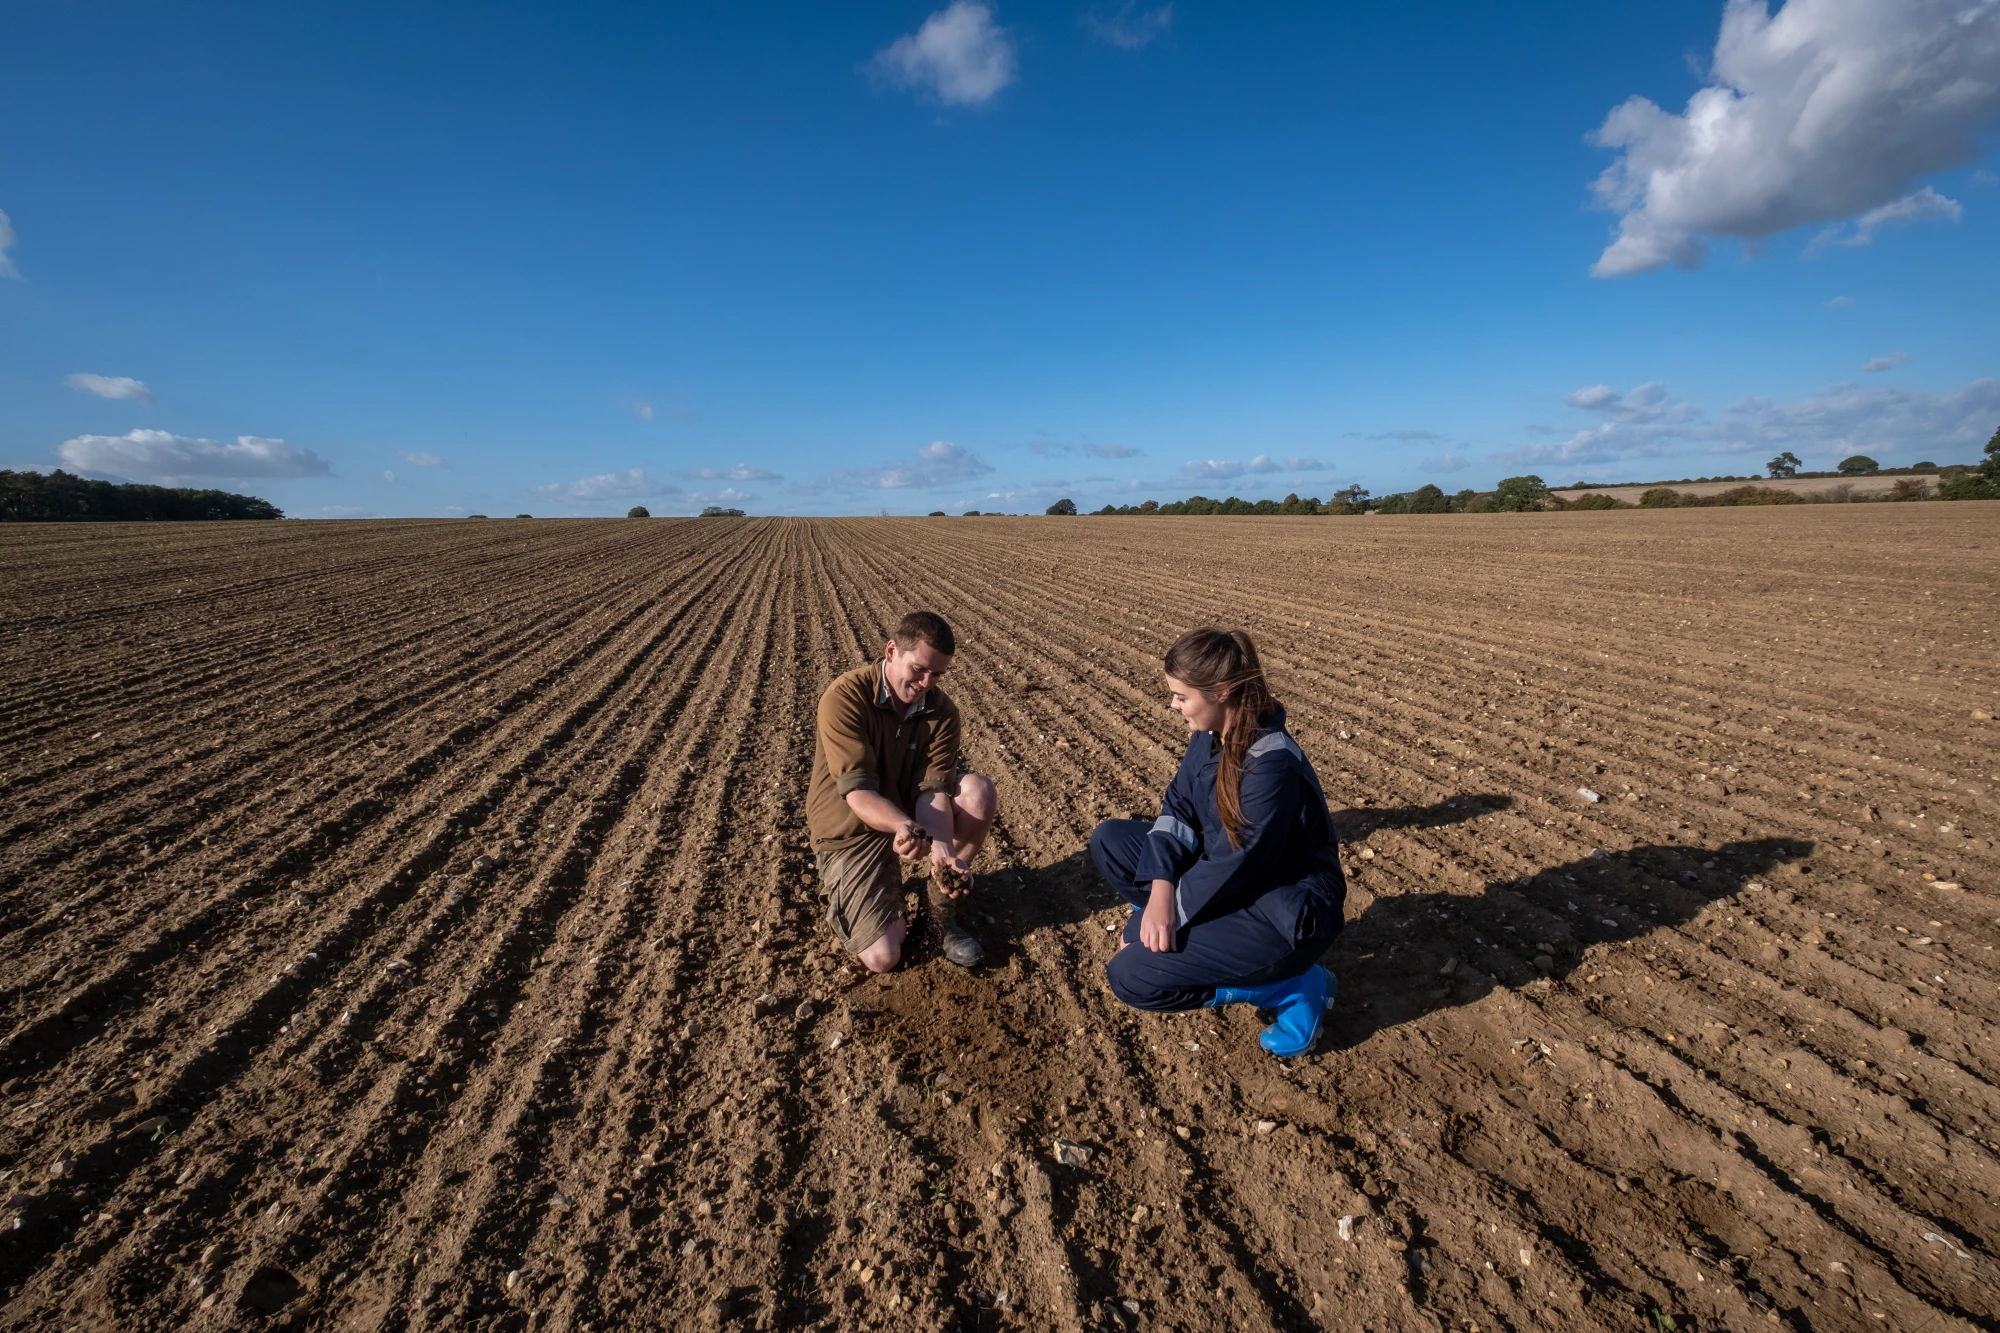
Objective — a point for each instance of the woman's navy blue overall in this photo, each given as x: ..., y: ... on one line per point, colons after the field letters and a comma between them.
x: 1260, y: 912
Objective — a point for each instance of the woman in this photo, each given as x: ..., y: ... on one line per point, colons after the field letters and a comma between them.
x: 1236, y: 888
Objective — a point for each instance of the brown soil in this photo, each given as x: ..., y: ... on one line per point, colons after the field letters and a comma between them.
x: 947, y: 880
x: 1714, y: 1051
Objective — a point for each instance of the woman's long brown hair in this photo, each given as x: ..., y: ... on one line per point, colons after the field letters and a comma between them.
x: 1223, y: 662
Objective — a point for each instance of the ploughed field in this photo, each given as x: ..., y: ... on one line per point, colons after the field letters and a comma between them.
x: 279, y: 1049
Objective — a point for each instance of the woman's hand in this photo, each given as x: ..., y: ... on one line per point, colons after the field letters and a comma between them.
x: 1156, y: 926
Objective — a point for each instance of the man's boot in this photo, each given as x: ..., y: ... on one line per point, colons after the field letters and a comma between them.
x: 954, y: 940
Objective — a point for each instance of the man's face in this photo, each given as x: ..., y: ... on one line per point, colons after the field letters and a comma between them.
x: 911, y: 671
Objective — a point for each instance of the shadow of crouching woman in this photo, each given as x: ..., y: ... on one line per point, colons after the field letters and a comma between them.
x: 1413, y: 954
x: 1013, y: 904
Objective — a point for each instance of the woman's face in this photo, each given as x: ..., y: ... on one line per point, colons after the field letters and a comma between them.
x: 1200, y: 712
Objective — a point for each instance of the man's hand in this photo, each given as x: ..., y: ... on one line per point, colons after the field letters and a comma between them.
x: 913, y: 843
x: 952, y: 875
x: 1156, y: 925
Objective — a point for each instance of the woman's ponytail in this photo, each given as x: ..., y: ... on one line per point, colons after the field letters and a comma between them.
x: 1223, y: 665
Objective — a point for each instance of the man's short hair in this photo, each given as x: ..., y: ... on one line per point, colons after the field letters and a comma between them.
x: 925, y: 627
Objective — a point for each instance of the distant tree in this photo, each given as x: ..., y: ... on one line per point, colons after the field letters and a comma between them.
x: 1857, y: 465
x: 1350, y: 500
x: 1150, y: 507
x: 1428, y: 499
x: 1751, y: 495
x: 59, y: 497
x: 475, y: 516
x: 1784, y: 465
x: 717, y: 511
x: 1462, y: 500
x: 1981, y: 485
x: 1925, y: 466
x: 638, y: 511
x: 1516, y: 495
x: 1599, y: 500
x: 936, y: 513
x: 970, y: 513
x: 1393, y: 504
x: 1065, y: 508
x: 524, y: 516
x: 1661, y: 497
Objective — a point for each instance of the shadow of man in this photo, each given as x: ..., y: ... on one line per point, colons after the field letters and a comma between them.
x: 1413, y: 954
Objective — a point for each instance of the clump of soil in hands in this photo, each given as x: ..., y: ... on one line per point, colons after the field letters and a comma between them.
x: 949, y: 881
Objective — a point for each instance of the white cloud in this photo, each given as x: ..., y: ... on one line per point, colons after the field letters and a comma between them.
x: 631, y: 484
x: 1647, y: 403
x: 1925, y: 205
x: 1128, y: 26
x: 1840, y: 303
x: 1216, y: 469
x: 1449, y: 461
x: 1889, y: 362
x: 344, y: 511
x: 1405, y: 435
x: 1110, y: 450
x: 111, y: 386
x: 1844, y: 418
x: 418, y: 458
x: 1301, y: 463
x: 160, y: 456
x: 1635, y: 423
x: 388, y: 476
x: 1825, y: 110
x: 938, y: 463
x: 958, y: 55
x: 641, y: 409
x: 7, y: 240
x: 1829, y: 425
x: 740, y: 472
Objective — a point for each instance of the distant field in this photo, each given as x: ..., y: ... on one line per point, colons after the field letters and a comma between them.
x: 1861, y: 485
x: 279, y: 1052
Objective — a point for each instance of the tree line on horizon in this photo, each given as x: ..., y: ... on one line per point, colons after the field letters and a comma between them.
x: 1529, y: 493
x: 63, y: 497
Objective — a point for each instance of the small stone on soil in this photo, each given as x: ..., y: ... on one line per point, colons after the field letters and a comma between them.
x: 766, y: 1003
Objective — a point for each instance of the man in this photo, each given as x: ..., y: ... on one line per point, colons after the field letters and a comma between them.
x: 886, y: 789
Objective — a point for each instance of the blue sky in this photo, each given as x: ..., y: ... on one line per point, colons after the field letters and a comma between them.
x: 436, y: 259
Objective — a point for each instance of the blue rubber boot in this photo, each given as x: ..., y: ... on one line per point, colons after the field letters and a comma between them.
x: 1301, y: 1002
